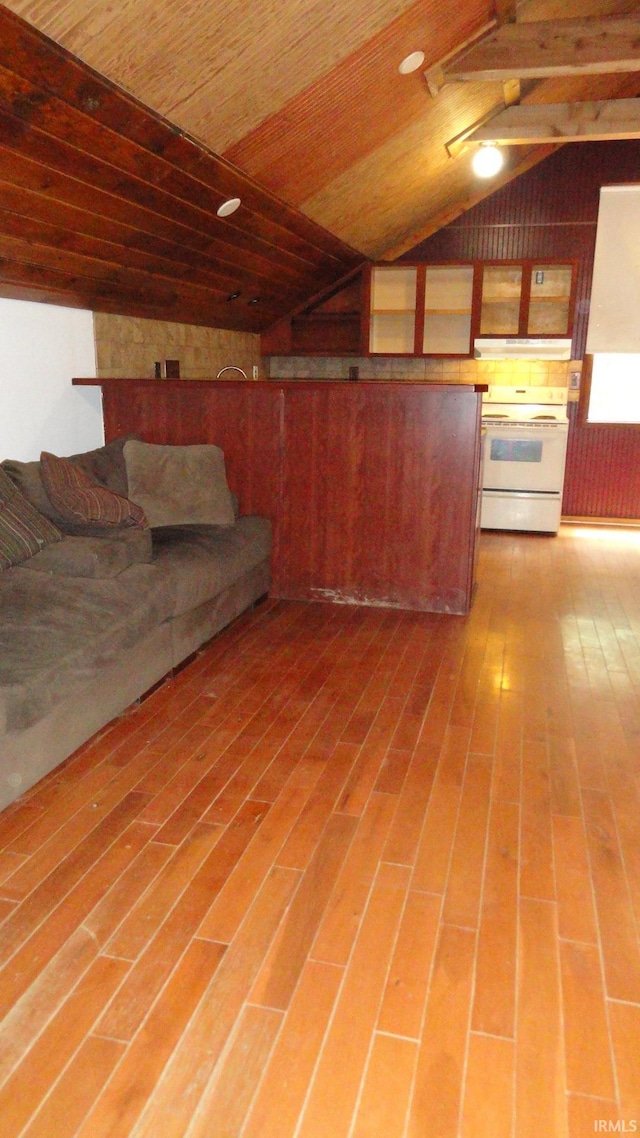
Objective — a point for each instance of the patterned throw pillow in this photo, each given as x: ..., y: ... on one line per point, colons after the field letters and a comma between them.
x: 79, y: 499
x: 23, y: 531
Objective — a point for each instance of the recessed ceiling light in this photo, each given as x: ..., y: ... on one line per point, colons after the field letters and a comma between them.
x: 487, y: 160
x: 228, y: 207
x: 411, y: 62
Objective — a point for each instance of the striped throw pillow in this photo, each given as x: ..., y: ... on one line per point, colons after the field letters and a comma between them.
x: 79, y: 499
x: 23, y: 530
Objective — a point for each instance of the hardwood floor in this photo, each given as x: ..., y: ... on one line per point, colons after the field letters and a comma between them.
x: 353, y: 873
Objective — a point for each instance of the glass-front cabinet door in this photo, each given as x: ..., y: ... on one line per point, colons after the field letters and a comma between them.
x: 549, y: 298
x: 501, y: 298
x: 421, y: 310
x: 526, y: 299
x: 448, y: 297
x: 438, y: 309
x: 393, y: 310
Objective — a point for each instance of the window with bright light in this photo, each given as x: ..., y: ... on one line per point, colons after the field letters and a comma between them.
x: 612, y: 362
x: 614, y: 390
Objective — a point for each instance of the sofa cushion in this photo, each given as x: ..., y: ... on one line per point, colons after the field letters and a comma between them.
x: 23, y: 531
x: 204, y: 560
x: 94, y: 556
x: 79, y: 498
x: 57, y: 633
x: 105, y: 465
x: 179, y: 485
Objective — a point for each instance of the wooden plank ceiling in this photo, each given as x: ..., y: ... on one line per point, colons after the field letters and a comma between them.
x: 109, y: 186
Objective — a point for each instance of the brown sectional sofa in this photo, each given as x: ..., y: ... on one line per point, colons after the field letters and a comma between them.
x: 93, y: 621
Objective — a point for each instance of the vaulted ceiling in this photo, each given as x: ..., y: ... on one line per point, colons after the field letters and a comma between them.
x: 295, y: 107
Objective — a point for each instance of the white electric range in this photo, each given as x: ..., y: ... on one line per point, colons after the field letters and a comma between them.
x: 524, y: 453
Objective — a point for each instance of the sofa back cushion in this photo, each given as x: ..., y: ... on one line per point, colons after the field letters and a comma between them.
x: 104, y: 465
x: 78, y: 498
x: 23, y: 531
x: 179, y: 485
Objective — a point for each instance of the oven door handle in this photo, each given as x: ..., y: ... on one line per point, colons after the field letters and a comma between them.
x: 504, y: 490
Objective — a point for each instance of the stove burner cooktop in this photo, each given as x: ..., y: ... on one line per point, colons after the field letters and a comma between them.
x: 541, y: 405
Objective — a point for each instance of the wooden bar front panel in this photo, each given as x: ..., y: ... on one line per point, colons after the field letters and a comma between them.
x: 371, y: 487
x: 379, y: 492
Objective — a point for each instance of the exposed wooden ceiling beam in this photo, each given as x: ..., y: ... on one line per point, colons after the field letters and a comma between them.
x: 506, y: 11
x: 546, y: 49
x: 562, y: 122
x: 435, y: 75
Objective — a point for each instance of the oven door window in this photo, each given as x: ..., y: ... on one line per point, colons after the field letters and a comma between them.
x: 516, y: 450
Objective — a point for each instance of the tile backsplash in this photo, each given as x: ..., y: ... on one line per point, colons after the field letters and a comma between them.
x: 542, y: 373
x: 128, y: 346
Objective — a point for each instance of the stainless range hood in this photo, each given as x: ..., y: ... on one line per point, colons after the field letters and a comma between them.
x: 522, y: 348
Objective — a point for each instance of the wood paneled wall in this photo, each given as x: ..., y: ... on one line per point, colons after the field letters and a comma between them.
x: 603, y: 471
x: 372, y: 488
x: 552, y: 211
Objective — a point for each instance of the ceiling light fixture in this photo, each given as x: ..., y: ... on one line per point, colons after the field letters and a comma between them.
x: 228, y: 207
x: 411, y: 62
x: 487, y: 160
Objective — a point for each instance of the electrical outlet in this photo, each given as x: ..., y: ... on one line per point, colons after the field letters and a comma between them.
x: 254, y: 371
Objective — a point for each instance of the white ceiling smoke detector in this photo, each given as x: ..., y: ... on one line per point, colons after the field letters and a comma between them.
x: 228, y: 207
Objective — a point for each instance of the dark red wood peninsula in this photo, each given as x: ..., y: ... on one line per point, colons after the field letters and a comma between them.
x: 372, y: 487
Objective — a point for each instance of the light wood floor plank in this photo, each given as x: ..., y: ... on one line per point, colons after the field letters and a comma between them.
x: 280, y: 1098
x: 540, y: 1053
x: 76, y: 1091
x: 495, y: 985
x: 343, y: 912
x: 586, y: 1030
x: 574, y: 890
x: 334, y: 1089
x: 437, y: 1098
x: 619, y: 937
x: 488, y: 1106
x: 387, y: 1088
x: 625, y: 1032
x: 405, y: 993
x: 224, y: 1106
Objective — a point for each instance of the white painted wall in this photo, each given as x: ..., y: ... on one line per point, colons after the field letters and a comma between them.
x: 42, y: 346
